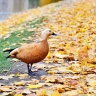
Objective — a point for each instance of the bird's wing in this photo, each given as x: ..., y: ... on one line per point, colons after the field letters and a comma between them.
x: 25, y: 50
x: 14, y: 52
x: 29, y: 50
x: 31, y: 46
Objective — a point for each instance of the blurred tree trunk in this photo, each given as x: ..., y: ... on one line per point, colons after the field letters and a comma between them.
x: 45, y: 2
x: 20, y: 5
x: 33, y: 3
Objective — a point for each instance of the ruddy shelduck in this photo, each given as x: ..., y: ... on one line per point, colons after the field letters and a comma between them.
x: 33, y: 52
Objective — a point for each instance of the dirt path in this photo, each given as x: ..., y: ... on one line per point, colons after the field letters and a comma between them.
x: 21, y: 68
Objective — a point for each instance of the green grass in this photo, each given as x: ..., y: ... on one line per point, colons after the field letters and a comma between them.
x: 14, y: 41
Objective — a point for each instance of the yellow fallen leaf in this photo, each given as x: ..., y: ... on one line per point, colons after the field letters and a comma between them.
x: 10, y: 87
x: 51, y: 72
x: 56, y: 93
x: 59, y: 55
x: 50, y: 80
x: 92, y: 83
x: 8, y: 94
x: 19, y: 83
x: 35, y: 86
x: 49, y: 56
x: 2, y: 89
x: 61, y: 90
x: 42, y: 92
x: 21, y: 75
x: 75, y: 68
x: 83, y: 29
x: 18, y: 95
x: 12, y: 75
x: 26, y: 91
x: 5, y: 77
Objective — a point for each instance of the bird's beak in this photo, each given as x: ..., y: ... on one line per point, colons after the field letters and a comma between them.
x: 54, y: 34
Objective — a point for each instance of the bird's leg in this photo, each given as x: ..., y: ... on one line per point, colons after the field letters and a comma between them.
x: 29, y: 70
x: 29, y: 67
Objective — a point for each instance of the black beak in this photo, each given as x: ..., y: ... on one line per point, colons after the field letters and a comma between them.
x: 54, y: 34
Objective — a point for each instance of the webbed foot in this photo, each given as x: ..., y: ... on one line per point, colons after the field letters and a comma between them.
x: 32, y: 73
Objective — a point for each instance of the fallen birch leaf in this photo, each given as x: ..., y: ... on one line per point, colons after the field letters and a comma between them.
x: 2, y: 89
x: 22, y: 76
x: 34, y: 86
x: 19, y: 83
x: 5, y: 77
x: 56, y: 94
x: 18, y: 95
x: 8, y: 94
x: 26, y: 91
x: 51, y: 72
x: 42, y: 92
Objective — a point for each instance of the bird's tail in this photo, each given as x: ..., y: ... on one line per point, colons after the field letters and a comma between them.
x: 8, y: 50
x: 8, y: 57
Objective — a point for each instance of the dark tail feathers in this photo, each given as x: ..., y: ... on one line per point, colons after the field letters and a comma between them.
x: 8, y: 50
x: 8, y: 57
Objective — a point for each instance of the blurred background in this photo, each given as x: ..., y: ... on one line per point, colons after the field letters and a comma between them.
x: 8, y: 7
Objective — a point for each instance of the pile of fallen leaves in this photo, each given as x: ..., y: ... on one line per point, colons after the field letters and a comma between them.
x: 72, y: 52
x: 10, y: 24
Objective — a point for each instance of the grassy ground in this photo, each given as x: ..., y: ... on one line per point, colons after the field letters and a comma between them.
x: 15, y: 40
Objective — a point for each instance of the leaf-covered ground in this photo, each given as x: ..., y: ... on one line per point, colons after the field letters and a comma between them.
x: 70, y: 67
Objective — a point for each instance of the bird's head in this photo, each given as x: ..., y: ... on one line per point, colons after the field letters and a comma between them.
x: 47, y: 32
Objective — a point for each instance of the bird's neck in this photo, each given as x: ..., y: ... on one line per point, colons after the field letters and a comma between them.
x: 44, y: 37
x: 44, y: 41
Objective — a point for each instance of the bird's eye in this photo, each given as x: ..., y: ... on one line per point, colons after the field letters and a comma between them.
x: 49, y: 30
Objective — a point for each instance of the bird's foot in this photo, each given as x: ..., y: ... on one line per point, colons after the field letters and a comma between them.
x: 31, y: 73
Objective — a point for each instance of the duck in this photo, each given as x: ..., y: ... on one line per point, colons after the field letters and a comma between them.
x: 33, y: 52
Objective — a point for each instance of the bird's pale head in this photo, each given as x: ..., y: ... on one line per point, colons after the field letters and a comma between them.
x: 48, y: 32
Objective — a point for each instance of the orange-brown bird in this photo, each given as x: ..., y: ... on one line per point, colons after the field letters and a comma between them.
x: 33, y: 52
